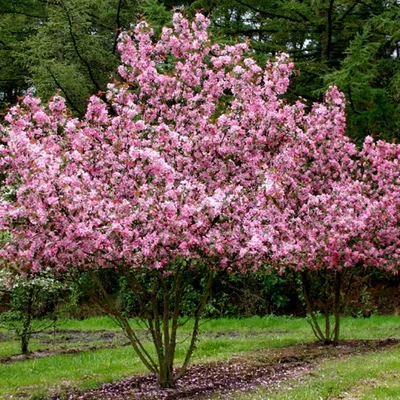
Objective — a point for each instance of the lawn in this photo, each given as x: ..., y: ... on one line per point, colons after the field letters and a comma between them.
x: 370, y: 376
x: 96, y: 352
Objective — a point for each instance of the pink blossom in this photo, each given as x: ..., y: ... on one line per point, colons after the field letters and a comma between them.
x: 176, y: 171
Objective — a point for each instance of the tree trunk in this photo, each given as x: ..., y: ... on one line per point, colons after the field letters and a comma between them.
x: 337, y: 307
x: 327, y: 284
x: 160, y: 304
x: 24, y: 343
x: 26, y: 323
x: 165, y: 377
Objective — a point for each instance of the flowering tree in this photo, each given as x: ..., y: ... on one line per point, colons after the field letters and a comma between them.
x: 380, y: 169
x: 173, y: 177
x: 340, y: 210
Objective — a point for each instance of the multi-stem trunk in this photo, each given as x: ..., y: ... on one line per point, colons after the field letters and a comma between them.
x: 160, y: 304
x: 328, y: 285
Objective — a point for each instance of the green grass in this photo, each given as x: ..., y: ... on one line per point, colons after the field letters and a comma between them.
x: 219, y: 341
x: 63, y: 341
x: 11, y: 347
x: 89, y: 324
x: 85, y: 369
x: 351, y: 327
x: 89, y: 369
x: 371, y: 376
x: 374, y: 327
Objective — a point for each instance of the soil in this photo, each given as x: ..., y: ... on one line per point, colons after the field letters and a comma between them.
x: 5, y: 337
x: 61, y: 336
x: 269, y: 368
x: 62, y: 341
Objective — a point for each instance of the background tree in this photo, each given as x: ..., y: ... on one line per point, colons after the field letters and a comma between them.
x: 70, y: 45
x: 75, y: 49
x: 31, y: 303
x: 18, y: 22
x: 63, y: 44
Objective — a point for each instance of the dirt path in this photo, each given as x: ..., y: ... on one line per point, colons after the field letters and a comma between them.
x: 242, y: 373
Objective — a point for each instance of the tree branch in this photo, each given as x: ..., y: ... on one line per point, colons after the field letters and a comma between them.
x: 348, y: 11
x: 330, y: 28
x: 77, y: 51
x: 156, y: 331
x: 198, y: 312
x: 251, y: 31
x: 65, y: 92
x: 136, y: 343
x: 306, y: 290
x: 118, y: 27
x: 352, y: 106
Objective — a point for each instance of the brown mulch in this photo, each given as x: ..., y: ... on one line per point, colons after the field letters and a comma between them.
x: 242, y: 373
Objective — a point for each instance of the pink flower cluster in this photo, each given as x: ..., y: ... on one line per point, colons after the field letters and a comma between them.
x: 198, y: 157
x: 342, y: 205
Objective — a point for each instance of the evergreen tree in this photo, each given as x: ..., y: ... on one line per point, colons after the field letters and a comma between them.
x: 75, y: 50
x: 18, y: 21
x: 70, y: 45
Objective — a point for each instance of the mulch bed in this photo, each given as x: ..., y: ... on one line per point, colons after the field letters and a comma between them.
x: 244, y: 372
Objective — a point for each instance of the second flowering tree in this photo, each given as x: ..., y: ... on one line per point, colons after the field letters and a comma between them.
x: 340, y: 211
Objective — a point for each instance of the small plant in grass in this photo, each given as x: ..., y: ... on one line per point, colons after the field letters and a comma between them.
x: 31, y: 301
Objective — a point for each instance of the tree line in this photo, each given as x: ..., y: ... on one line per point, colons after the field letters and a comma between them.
x: 71, y: 46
